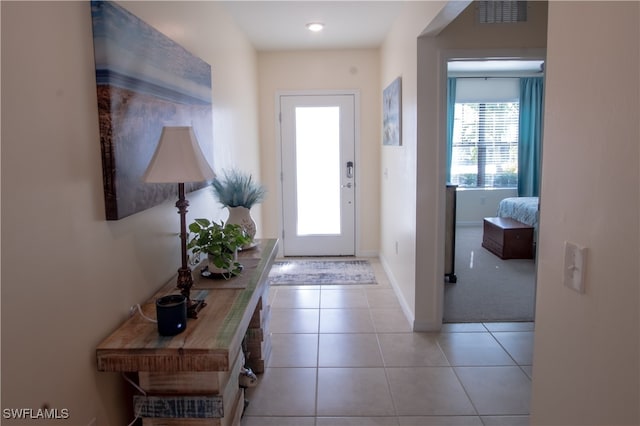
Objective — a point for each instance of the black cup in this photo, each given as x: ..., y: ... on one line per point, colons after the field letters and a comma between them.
x: 171, y: 312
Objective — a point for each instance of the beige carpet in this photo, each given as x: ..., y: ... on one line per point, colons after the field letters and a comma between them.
x: 488, y: 288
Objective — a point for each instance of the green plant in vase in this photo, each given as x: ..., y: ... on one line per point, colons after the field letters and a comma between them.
x: 237, y: 191
x: 220, y: 242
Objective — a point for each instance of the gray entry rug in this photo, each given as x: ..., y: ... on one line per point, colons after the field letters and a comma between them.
x: 321, y: 272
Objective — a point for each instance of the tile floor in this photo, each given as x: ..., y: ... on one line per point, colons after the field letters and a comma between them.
x: 345, y: 355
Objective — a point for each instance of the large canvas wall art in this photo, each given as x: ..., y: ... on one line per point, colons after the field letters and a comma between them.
x: 145, y: 81
x: 392, y: 113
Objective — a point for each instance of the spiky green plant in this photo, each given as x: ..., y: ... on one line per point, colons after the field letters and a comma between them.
x: 238, y: 189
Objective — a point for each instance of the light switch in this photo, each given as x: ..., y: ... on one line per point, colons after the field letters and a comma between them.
x: 575, y: 259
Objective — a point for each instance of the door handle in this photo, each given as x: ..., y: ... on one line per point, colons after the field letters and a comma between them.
x: 349, y: 169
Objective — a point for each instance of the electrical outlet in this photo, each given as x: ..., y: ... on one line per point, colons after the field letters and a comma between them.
x: 575, y: 259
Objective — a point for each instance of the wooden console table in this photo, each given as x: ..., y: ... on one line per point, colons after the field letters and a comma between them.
x: 192, y: 378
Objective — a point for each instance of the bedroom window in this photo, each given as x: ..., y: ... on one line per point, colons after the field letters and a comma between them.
x: 485, y: 145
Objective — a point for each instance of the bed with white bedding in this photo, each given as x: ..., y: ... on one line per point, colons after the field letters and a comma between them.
x: 522, y: 209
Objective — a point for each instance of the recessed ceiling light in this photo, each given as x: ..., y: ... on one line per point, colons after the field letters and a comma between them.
x: 315, y: 26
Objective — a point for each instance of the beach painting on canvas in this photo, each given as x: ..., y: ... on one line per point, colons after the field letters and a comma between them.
x: 145, y: 81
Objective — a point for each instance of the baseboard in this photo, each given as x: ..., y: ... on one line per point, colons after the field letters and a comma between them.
x: 408, y: 313
x: 366, y: 253
x: 468, y: 224
x: 427, y: 326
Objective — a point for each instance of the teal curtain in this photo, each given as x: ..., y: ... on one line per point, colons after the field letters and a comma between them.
x: 451, y: 107
x: 530, y: 134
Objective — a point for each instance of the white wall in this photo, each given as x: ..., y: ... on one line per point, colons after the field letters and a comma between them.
x: 587, y: 357
x: 473, y: 205
x: 325, y: 70
x: 398, y: 163
x: 68, y: 275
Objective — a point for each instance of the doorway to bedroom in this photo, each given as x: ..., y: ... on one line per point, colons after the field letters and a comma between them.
x: 494, y: 113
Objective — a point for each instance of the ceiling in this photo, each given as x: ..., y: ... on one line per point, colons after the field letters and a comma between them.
x: 280, y: 25
x: 349, y: 24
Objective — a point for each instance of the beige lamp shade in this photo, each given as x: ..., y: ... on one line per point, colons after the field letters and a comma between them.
x: 178, y: 158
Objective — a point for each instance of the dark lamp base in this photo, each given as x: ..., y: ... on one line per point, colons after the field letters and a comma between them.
x: 194, y: 307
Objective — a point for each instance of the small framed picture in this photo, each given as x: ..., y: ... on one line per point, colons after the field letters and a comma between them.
x: 392, y: 113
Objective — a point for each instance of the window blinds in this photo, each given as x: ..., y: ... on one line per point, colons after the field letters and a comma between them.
x: 485, y: 145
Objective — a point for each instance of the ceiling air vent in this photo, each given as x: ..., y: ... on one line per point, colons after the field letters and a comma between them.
x: 500, y: 12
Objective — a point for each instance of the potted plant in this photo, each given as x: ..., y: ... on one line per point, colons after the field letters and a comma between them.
x: 237, y: 191
x: 220, y: 242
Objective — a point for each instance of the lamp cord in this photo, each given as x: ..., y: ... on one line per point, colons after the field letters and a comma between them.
x: 139, y: 309
x: 139, y: 389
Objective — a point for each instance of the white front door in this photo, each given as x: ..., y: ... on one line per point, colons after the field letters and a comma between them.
x: 318, y: 174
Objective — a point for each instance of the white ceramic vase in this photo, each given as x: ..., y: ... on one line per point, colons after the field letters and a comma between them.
x: 242, y: 216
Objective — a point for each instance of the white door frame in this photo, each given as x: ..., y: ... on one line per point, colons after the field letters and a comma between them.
x: 356, y: 95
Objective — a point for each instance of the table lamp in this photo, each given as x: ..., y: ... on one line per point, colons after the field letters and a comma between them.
x: 179, y: 159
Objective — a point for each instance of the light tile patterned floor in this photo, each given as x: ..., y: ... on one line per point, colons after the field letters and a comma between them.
x: 345, y: 355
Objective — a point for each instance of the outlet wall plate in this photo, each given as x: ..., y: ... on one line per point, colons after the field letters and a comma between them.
x: 575, y: 260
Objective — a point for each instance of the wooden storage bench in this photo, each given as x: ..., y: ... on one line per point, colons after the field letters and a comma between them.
x: 507, y: 238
